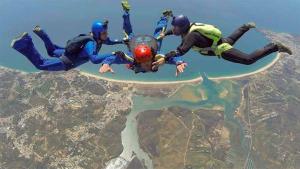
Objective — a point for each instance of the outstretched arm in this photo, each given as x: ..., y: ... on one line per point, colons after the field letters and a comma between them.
x: 113, y: 42
x: 187, y: 43
x: 160, y: 60
x: 115, y: 58
x: 169, y: 32
x: 180, y: 64
x: 175, y: 60
x: 91, y: 51
x: 118, y: 58
x: 163, y: 34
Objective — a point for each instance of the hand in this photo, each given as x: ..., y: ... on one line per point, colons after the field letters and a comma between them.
x: 161, y: 36
x: 180, y: 68
x: 106, y: 68
x: 158, y: 63
x: 126, y: 41
x: 119, y: 54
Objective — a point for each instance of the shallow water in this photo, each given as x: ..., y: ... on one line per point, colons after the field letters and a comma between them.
x: 130, y: 138
x: 64, y: 20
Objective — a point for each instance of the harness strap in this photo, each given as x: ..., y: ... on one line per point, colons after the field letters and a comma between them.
x: 68, y: 62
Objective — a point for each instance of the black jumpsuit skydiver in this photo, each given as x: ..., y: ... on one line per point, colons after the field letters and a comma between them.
x: 232, y: 55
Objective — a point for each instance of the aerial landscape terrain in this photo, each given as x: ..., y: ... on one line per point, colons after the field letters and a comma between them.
x: 71, y: 120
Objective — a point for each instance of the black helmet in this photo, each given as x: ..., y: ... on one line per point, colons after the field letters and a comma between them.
x: 182, y: 22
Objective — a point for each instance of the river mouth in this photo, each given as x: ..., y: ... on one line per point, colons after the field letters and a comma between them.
x: 130, y: 140
x: 213, y: 99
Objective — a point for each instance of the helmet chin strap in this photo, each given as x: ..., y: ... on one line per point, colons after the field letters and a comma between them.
x: 94, y: 37
x: 187, y: 30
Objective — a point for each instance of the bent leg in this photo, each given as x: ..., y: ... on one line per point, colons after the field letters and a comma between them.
x: 52, y: 49
x: 161, y: 27
x: 238, y: 33
x: 236, y: 56
x: 25, y: 46
x: 127, y: 27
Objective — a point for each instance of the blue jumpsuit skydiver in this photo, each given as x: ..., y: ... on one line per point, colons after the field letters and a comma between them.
x: 59, y: 61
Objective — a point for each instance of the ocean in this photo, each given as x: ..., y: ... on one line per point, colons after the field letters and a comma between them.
x: 64, y: 19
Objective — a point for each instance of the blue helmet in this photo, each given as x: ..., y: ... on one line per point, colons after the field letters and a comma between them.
x: 182, y: 22
x: 98, y: 27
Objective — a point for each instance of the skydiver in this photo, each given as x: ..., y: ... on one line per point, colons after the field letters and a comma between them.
x: 208, y: 40
x: 78, y: 50
x: 143, y: 49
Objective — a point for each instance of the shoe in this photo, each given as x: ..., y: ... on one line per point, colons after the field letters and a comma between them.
x: 250, y: 25
x: 37, y: 29
x: 283, y: 48
x: 39, y: 32
x: 20, y: 41
x: 168, y: 13
x: 126, y: 6
x: 25, y: 46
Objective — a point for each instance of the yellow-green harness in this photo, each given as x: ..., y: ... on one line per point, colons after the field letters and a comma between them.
x: 213, y: 33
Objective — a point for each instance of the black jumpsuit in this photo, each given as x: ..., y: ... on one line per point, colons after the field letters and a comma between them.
x: 232, y: 55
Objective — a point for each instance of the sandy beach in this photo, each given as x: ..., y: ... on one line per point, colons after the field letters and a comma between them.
x: 195, y: 80
x: 248, y: 74
x: 191, y: 81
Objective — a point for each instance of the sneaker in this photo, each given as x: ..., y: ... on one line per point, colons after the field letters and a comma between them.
x: 283, y: 48
x: 18, y: 42
x: 37, y: 29
x: 168, y: 13
x: 250, y: 25
x: 126, y: 6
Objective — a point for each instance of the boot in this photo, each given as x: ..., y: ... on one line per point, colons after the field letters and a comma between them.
x: 48, y: 43
x: 283, y: 48
x: 24, y: 45
x: 249, y: 25
x: 168, y: 13
x: 40, y: 32
x: 126, y: 6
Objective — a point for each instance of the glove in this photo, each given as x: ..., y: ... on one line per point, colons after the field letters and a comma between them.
x: 170, y: 55
x: 119, y: 54
x: 125, y: 40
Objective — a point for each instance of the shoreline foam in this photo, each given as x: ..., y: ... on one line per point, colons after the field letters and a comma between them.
x: 250, y: 73
x: 195, y: 80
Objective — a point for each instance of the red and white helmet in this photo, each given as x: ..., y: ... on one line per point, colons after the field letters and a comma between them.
x: 142, y: 53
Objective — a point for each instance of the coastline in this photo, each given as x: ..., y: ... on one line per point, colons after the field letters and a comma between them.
x: 248, y: 74
x: 195, y: 80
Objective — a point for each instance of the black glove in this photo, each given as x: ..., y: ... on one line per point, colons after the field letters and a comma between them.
x: 170, y: 55
x: 120, y: 54
x: 106, y: 22
x: 125, y: 40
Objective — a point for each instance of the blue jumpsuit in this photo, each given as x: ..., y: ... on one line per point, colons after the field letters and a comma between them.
x: 56, y: 63
x: 161, y: 25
